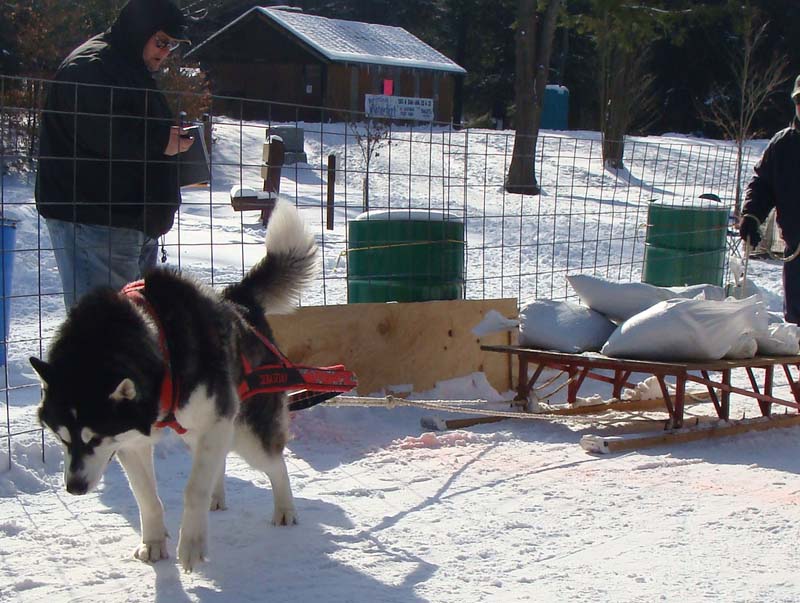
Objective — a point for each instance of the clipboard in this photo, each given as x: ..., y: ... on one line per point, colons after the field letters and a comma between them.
x: 193, y: 164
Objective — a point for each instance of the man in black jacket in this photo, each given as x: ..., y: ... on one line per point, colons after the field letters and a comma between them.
x: 776, y: 183
x: 107, y: 184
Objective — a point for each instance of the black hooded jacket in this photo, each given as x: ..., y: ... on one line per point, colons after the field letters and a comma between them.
x: 776, y: 183
x: 104, y: 129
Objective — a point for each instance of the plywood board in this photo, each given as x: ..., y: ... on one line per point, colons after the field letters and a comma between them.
x: 400, y: 347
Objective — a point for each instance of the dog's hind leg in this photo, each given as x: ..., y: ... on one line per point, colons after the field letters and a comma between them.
x: 284, y: 513
x: 252, y: 450
x: 138, y: 465
x: 218, y: 495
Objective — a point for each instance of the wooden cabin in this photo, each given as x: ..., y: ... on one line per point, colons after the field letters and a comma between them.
x: 302, y: 62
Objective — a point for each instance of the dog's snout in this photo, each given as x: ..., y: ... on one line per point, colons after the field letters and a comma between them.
x: 77, y: 486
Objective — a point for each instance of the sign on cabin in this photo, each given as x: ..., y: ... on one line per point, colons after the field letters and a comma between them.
x: 398, y: 107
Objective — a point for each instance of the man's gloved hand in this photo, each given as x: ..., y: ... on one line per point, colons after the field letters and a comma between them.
x: 748, y: 230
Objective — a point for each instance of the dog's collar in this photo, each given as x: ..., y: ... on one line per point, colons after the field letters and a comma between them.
x: 169, y: 386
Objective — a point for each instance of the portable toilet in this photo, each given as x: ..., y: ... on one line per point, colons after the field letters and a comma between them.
x: 555, y: 109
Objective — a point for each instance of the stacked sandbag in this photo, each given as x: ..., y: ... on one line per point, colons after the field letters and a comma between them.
x: 691, y: 330
x: 619, y: 301
x: 646, y: 322
x: 780, y: 339
x: 563, y: 326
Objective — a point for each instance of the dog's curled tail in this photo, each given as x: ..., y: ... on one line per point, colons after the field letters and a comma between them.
x: 276, y: 281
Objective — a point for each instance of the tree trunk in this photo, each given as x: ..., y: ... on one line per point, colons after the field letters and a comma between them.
x: 737, y: 205
x: 614, y: 119
x: 532, y: 64
x: 615, y: 126
x: 462, y: 24
x: 626, y: 91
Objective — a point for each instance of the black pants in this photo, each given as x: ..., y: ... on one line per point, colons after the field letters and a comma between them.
x: 791, y: 288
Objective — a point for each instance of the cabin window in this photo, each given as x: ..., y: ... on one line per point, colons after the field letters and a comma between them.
x: 312, y: 75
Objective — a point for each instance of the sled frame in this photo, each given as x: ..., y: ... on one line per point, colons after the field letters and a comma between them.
x: 714, y: 375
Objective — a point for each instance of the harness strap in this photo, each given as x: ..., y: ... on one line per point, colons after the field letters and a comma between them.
x: 272, y: 378
x: 170, y: 391
x: 307, y: 385
x: 284, y: 376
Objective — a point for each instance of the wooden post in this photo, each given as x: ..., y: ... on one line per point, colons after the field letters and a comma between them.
x: 725, y: 395
x: 680, y: 392
x: 207, y: 125
x: 271, y: 172
x: 331, y: 189
x: 766, y: 407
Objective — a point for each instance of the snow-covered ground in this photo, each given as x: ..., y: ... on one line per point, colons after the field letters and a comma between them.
x: 511, y: 511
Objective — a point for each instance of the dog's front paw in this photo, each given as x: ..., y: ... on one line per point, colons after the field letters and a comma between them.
x: 152, y: 551
x: 192, y: 548
x: 286, y: 516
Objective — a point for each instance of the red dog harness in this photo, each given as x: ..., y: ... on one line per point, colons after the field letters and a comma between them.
x: 307, y: 385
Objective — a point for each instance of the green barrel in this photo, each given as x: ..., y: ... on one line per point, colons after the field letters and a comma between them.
x: 405, y: 257
x: 685, y: 245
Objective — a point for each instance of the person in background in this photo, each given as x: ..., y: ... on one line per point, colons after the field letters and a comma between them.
x: 107, y: 184
x: 776, y: 183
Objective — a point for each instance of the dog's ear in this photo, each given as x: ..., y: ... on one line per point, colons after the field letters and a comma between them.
x: 42, y: 369
x: 126, y: 390
x: 125, y: 404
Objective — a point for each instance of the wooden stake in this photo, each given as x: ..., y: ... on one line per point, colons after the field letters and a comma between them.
x: 331, y: 190
x: 437, y: 424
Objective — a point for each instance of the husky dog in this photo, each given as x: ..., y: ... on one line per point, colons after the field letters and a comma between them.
x: 115, y: 357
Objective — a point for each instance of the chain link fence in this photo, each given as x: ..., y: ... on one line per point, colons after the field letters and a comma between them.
x: 587, y: 219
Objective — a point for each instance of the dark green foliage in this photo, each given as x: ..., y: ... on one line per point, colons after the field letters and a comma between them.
x: 689, y: 45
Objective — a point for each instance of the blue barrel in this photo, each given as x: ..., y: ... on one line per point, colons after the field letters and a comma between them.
x: 8, y: 240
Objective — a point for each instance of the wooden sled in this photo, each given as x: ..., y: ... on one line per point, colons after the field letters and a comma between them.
x: 715, y: 376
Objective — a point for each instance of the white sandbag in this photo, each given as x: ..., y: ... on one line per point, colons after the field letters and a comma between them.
x: 744, y: 347
x: 745, y: 289
x: 781, y: 339
x: 563, y: 326
x: 707, y: 290
x: 687, y: 329
x: 775, y: 317
x: 619, y: 301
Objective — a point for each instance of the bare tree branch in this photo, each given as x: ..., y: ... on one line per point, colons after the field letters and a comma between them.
x: 733, y: 112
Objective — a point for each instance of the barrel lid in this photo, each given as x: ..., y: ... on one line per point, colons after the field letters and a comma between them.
x: 690, y: 203
x: 400, y: 215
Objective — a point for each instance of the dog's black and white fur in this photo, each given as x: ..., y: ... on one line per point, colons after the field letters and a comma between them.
x: 101, y: 386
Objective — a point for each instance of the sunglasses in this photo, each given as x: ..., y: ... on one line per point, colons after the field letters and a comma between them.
x: 171, y: 45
